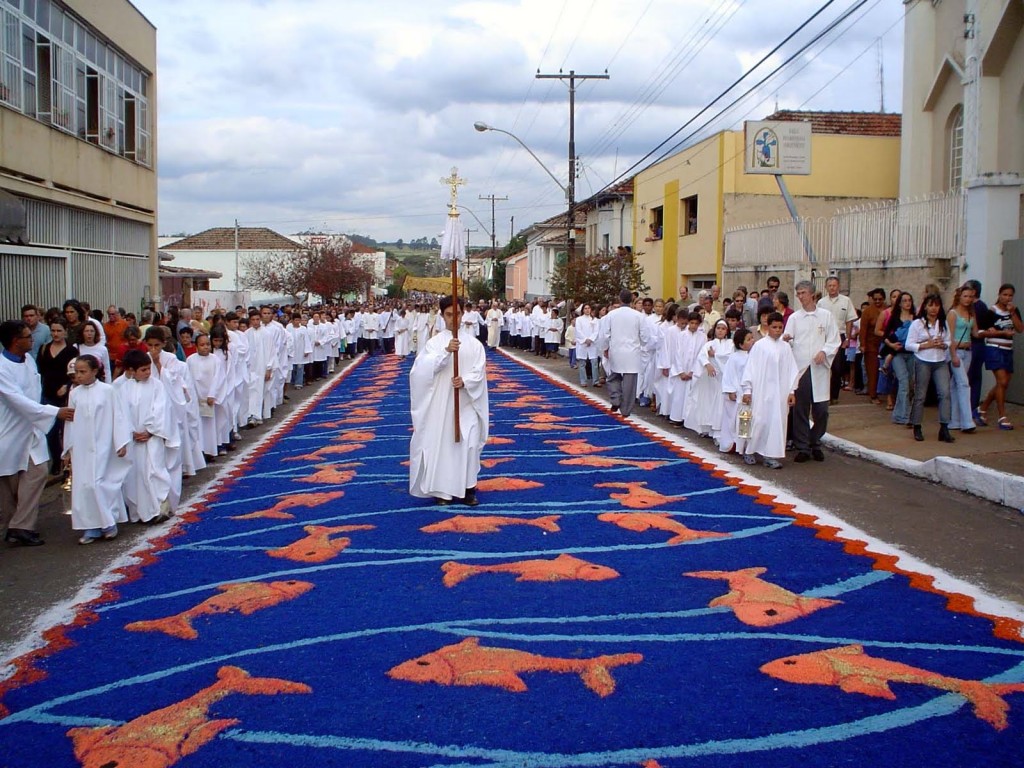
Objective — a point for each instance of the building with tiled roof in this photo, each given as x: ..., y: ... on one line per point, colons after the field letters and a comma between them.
x: 215, y: 249
x: 844, y: 123
x: 609, y: 218
x: 546, y: 245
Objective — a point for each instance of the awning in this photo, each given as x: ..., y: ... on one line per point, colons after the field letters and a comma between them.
x: 441, y: 285
x: 13, y: 219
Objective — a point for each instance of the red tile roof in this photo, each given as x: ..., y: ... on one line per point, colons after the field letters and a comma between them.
x: 847, y: 123
x: 360, y: 248
x: 223, y: 239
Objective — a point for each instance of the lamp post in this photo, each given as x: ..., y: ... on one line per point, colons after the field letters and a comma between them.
x: 570, y: 233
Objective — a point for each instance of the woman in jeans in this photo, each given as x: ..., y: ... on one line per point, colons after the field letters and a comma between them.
x: 1002, y: 323
x: 902, y: 363
x: 963, y: 327
x: 929, y: 340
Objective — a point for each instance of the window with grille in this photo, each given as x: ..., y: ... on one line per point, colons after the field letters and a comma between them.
x: 956, y: 150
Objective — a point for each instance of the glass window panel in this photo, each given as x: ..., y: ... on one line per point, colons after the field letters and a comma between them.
x: 43, y: 14
x: 29, y: 95
x: 28, y: 48
x: 56, y: 22
x: 90, y: 47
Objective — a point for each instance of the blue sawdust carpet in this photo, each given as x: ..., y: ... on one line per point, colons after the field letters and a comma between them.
x: 613, y: 601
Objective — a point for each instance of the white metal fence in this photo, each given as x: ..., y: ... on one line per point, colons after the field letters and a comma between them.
x: 895, y: 233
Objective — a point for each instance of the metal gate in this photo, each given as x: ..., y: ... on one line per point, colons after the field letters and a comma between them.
x: 1013, y: 272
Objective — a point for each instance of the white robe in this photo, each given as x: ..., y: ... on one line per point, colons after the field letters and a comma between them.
x: 99, y: 430
x: 810, y: 333
x: 553, y: 331
x: 664, y: 385
x: 258, y: 367
x: 321, y: 341
x: 727, y: 436
x: 683, y: 361
x: 302, y: 345
x: 211, y: 380
x: 99, y: 351
x: 24, y: 420
x: 438, y: 466
x: 705, y: 414
x: 648, y: 354
x: 148, y: 489
x: 402, y: 333
x: 586, y: 331
x: 770, y: 377
x: 238, y: 357
x: 494, y: 319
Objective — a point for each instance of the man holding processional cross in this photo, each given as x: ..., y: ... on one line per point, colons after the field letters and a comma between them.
x: 448, y: 393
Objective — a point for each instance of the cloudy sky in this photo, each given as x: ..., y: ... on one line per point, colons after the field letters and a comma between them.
x: 342, y: 115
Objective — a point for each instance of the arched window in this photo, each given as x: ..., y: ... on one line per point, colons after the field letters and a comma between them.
x: 956, y: 149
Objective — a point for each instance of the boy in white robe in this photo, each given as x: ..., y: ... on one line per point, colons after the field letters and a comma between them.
x: 238, y: 373
x: 683, y: 362
x: 769, y: 387
x: 439, y: 467
x: 148, y: 486
x: 728, y: 437
x: 95, y: 443
x: 552, y: 334
x: 302, y: 350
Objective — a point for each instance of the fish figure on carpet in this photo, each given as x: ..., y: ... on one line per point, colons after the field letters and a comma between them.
x: 277, y: 512
x: 507, y: 484
x: 562, y: 568
x: 492, y: 463
x: 554, y: 428
x: 164, y: 736
x: 318, y: 546
x: 335, y: 474
x: 853, y: 671
x: 760, y: 603
x: 639, y: 496
x: 607, y: 461
x: 245, y: 597
x: 355, y: 436
x: 468, y: 663
x: 490, y: 524
x: 659, y: 521
x: 577, y: 447
x: 326, y: 450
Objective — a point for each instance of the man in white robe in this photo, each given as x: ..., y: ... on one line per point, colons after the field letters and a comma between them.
x: 274, y: 339
x: 494, y: 319
x: 439, y: 467
x: 371, y: 330
x: 621, y: 339
x: 769, y: 385
x: 814, y: 336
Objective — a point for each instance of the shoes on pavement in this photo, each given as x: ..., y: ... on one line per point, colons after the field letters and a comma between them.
x: 944, y: 436
x: 1004, y: 423
x: 817, y: 454
x: 470, y: 499
x: 23, y: 538
x: 614, y: 409
x: 979, y: 418
x: 749, y: 460
x: 772, y: 464
x: 801, y: 457
x: 918, y: 435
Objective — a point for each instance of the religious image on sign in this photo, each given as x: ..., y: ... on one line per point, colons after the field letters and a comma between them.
x: 766, y: 145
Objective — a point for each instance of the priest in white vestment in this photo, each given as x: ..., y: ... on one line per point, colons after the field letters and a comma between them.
x: 439, y: 467
x: 769, y: 385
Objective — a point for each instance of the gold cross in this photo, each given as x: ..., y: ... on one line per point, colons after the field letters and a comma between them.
x: 454, y: 182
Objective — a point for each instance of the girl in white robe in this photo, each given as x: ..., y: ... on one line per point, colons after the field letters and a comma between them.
x: 705, y: 415
x: 728, y: 436
x: 155, y: 443
x: 683, y: 362
x: 96, y: 443
x: 769, y: 385
x: 211, y: 382
x: 668, y: 332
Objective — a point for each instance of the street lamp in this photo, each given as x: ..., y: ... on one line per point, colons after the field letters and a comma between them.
x: 483, y: 127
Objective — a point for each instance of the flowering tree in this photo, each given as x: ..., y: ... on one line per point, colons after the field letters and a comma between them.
x: 325, y: 269
x: 597, y: 278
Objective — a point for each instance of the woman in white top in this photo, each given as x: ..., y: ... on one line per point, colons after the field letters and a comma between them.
x: 929, y: 339
x: 586, y: 346
x: 91, y: 344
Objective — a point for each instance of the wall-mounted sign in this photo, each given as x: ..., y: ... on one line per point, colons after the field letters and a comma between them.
x: 777, y: 147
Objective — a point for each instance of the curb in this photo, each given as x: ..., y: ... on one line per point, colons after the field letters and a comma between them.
x: 992, y: 485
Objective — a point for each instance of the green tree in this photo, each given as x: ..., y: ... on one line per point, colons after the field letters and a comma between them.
x: 596, y: 278
x: 479, y: 289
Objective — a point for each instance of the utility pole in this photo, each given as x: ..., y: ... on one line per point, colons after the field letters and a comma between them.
x: 494, y: 234
x: 572, y: 77
x: 972, y: 92
x: 236, y: 258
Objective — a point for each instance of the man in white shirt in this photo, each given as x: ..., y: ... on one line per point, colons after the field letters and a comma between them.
x: 843, y: 312
x: 24, y: 422
x: 624, y: 334
x: 814, y: 337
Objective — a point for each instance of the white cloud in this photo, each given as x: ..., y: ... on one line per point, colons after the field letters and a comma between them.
x: 306, y: 113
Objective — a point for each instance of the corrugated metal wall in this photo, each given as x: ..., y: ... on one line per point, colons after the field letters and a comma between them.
x: 30, y: 280
x: 102, y: 279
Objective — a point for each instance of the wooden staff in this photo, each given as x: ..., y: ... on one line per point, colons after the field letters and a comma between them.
x: 455, y: 335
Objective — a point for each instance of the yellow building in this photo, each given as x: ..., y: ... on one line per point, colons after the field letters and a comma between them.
x: 684, y: 204
x: 78, y: 187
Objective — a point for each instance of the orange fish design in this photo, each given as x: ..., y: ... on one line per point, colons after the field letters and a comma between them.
x: 321, y: 453
x: 468, y: 663
x: 554, y: 428
x: 355, y: 436
x: 290, y: 502
x: 507, y: 484
x: 330, y: 474
x: 607, y: 461
x: 562, y: 568
x: 853, y: 671
x: 162, y: 737
x: 244, y: 597
x: 524, y: 401
x: 492, y: 463
x: 577, y: 447
x: 490, y: 524
x: 318, y: 546
x: 638, y: 496
x: 760, y: 603
x: 547, y: 418
x: 499, y: 441
x: 660, y: 521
